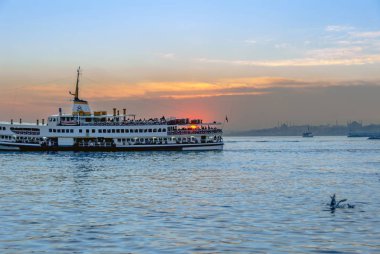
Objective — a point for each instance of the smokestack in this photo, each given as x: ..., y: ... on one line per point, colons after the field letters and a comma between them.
x: 20, y: 121
x: 114, y: 111
x: 38, y: 122
x: 118, y: 113
x: 124, y: 113
x: 60, y: 111
x: 43, y: 121
x: 11, y: 121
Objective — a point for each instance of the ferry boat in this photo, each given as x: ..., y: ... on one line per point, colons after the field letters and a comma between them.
x: 84, y: 130
x: 308, y: 133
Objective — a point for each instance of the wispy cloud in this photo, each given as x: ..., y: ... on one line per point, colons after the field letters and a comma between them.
x: 178, y: 90
x: 301, y: 62
x: 281, y: 45
x: 166, y: 55
x: 369, y: 34
x: 335, y: 53
x: 250, y: 41
x: 338, y: 28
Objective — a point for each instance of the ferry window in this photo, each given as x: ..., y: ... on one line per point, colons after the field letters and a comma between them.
x: 159, y: 130
x: 93, y: 130
x: 87, y: 131
x: 59, y: 130
x: 119, y: 140
x: 122, y: 130
x: 145, y: 130
x: 126, y: 130
x: 80, y: 130
x: 164, y: 130
x: 113, y: 130
x: 104, y: 131
x: 154, y: 130
x: 99, y: 131
x: 71, y: 131
x: 109, y: 131
x: 150, y: 130
x: 141, y: 130
x: 50, y: 130
x: 118, y: 131
x: 136, y: 130
x: 54, y: 130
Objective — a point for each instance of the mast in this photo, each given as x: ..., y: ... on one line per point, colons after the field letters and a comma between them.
x: 77, y: 86
x: 76, y: 94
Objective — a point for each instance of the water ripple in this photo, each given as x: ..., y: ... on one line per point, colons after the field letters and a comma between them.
x: 258, y: 195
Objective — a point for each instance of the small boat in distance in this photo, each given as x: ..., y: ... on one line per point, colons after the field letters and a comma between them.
x: 308, y: 133
x: 85, y: 130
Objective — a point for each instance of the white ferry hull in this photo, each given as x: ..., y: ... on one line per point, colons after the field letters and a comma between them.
x: 9, y: 148
x: 176, y: 147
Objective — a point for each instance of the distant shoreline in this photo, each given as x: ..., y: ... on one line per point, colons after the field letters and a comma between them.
x: 352, y: 129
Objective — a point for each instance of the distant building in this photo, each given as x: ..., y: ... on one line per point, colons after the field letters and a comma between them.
x: 354, y: 126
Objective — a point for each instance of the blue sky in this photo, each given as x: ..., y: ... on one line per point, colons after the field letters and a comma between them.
x: 138, y: 29
x: 186, y: 49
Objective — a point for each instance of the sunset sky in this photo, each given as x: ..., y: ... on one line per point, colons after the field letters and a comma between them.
x: 259, y: 62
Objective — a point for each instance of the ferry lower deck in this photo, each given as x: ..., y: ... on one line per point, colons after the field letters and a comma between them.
x: 8, y: 146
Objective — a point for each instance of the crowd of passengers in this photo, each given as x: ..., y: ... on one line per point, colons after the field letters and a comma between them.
x: 203, y: 129
x: 118, y: 121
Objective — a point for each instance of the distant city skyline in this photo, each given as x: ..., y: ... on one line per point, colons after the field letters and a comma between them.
x: 259, y: 62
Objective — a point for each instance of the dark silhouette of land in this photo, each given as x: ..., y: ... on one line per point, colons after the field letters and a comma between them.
x: 352, y: 129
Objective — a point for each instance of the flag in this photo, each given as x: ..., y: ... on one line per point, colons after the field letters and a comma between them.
x: 226, y: 119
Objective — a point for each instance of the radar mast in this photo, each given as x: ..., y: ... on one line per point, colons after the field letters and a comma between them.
x: 76, y: 94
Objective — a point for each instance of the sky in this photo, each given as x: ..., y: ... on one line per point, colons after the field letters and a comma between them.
x: 258, y: 62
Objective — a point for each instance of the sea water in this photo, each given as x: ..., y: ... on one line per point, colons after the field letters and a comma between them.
x: 261, y: 194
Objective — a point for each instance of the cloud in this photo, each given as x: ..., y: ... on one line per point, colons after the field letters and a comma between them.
x: 301, y: 62
x: 351, y: 51
x: 338, y: 28
x: 281, y: 46
x: 166, y: 55
x: 250, y: 41
x: 369, y: 34
x: 334, y: 53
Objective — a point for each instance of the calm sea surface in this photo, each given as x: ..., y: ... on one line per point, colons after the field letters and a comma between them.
x: 261, y: 194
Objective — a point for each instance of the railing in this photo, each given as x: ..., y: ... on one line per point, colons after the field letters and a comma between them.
x: 26, y: 132
x: 122, y: 123
x: 86, y: 144
x: 187, y: 132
